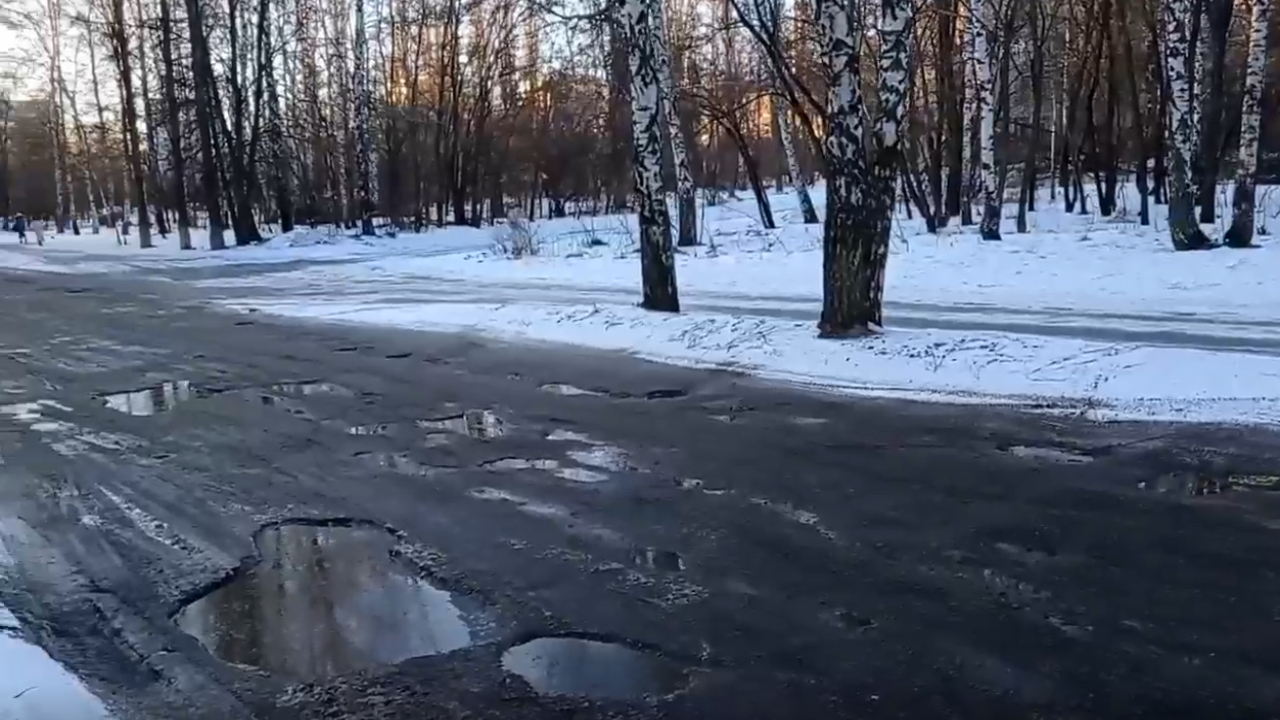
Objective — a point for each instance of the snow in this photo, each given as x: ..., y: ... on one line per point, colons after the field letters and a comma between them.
x: 1084, y: 313
x: 34, y: 685
x: 1106, y: 381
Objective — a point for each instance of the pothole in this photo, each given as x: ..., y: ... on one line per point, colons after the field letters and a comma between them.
x: 581, y: 475
x: 155, y: 399
x: 311, y: 387
x: 570, y: 436
x: 666, y: 394
x: 565, y: 389
x: 371, y: 429
x: 592, y: 668
x: 1255, y: 482
x: 402, y: 463
x: 576, y: 474
x: 324, y: 600
x: 1186, y: 483
x: 656, y: 559
x: 520, y: 464
x: 606, y: 457
x: 479, y: 424
x: 1050, y: 454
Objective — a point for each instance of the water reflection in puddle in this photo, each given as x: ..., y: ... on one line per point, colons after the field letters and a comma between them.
x: 606, y: 457
x: 564, y: 389
x: 591, y: 668
x: 325, y: 601
x: 156, y: 398
x: 653, y: 558
x: 479, y: 424
x: 401, y: 462
x: 576, y: 474
x: 1050, y: 454
x: 311, y: 387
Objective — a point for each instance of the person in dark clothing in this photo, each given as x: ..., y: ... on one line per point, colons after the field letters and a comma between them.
x: 20, y: 227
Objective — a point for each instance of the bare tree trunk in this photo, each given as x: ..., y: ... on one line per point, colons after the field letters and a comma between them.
x: 129, y: 114
x: 860, y: 193
x: 1030, y: 171
x: 972, y: 112
x: 1179, y: 69
x: 686, y: 202
x: 984, y: 23
x: 108, y: 198
x: 364, y: 145
x: 1240, y: 233
x: 177, y: 159
x: 155, y: 191
x: 202, y: 76
x: 772, y: 20
x: 657, y: 259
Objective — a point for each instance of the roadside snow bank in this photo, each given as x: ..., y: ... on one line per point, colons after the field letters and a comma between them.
x: 1104, y: 380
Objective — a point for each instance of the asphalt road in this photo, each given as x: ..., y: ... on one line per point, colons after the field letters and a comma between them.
x: 749, y: 550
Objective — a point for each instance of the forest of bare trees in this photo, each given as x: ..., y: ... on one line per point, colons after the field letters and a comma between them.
x: 140, y: 117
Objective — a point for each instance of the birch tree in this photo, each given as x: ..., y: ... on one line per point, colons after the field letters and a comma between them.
x: 1240, y: 234
x: 686, y: 204
x: 364, y: 144
x: 860, y: 185
x: 984, y: 22
x: 1180, y: 64
x: 772, y: 22
x: 173, y: 112
x: 657, y: 258
x: 117, y: 30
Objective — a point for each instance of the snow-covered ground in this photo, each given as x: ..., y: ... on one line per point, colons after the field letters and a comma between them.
x: 33, y: 686
x: 1097, y: 314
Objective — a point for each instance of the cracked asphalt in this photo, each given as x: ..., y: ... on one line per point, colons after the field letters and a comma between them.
x: 784, y: 553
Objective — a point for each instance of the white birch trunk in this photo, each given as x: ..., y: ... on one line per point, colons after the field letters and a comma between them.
x: 686, y: 205
x: 798, y: 181
x: 1183, y: 230
x: 1198, y: 78
x: 969, y: 121
x: 984, y: 22
x: 364, y: 145
x: 782, y: 116
x: 1242, y: 202
x: 657, y: 260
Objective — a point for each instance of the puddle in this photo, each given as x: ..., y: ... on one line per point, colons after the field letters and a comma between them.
x: 576, y: 474
x: 606, y: 457
x: 1048, y: 453
x: 665, y: 394
x: 581, y: 475
x: 1188, y: 483
x: 653, y: 558
x: 563, y: 389
x: 480, y: 424
x: 1255, y: 482
x: 591, y: 668
x: 371, y: 429
x: 324, y: 601
x: 311, y: 387
x: 31, y: 414
x: 155, y: 399
x: 520, y: 464
x: 401, y: 462
x: 570, y: 436
x: 532, y: 507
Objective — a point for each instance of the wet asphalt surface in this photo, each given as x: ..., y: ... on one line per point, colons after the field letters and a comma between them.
x: 383, y: 524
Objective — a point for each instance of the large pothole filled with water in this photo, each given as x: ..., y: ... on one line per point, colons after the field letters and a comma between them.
x: 593, y: 669
x: 327, y: 599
